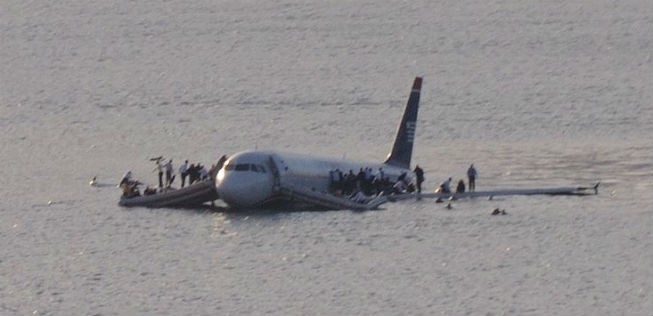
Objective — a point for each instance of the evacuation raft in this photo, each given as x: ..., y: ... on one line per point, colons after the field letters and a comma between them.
x: 193, y: 195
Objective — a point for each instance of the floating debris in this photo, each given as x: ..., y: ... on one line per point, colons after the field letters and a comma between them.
x: 497, y: 211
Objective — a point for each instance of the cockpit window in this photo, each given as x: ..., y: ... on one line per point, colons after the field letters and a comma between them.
x: 242, y: 167
x: 245, y: 167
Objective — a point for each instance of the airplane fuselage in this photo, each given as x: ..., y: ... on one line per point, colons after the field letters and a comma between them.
x: 252, y: 178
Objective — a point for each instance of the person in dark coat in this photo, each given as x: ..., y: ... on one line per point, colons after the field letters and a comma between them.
x: 471, y: 176
x: 461, y: 186
x: 191, y: 174
x: 419, y: 177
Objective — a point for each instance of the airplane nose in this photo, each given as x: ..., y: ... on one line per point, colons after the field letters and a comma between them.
x: 227, y: 191
x: 242, y: 189
x: 227, y: 188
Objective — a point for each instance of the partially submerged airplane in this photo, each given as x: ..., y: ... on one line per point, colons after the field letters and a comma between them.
x: 251, y: 179
x: 254, y: 178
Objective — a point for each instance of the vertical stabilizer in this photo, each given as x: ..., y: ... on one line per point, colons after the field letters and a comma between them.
x: 402, y: 150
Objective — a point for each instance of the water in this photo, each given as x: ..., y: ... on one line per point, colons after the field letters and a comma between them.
x: 535, y: 94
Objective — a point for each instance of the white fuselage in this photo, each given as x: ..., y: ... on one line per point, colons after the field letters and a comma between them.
x: 251, y: 178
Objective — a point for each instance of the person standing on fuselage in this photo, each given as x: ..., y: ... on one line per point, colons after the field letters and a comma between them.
x: 471, y: 176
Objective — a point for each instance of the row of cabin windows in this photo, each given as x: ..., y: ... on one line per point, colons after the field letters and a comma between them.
x: 245, y: 167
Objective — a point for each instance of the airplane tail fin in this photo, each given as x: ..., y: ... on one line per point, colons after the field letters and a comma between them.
x: 402, y: 150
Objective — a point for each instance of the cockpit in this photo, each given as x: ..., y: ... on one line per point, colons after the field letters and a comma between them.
x: 245, y: 167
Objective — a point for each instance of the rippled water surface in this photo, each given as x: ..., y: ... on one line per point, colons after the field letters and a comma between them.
x: 535, y: 94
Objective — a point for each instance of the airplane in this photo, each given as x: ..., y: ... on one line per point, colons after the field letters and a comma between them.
x: 257, y: 178
x: 261, y: 178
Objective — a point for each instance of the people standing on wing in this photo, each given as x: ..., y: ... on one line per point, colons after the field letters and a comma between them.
x: 159, y: 168
x: 471, y: 176
x: 183, y: 172
x: 419, y: 177
x: 445, y: 187
x: 169, y: 172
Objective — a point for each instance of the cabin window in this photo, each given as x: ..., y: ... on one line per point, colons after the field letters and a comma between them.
x: 229, y: 167
x: 254, y: 168
x: 261, y: 169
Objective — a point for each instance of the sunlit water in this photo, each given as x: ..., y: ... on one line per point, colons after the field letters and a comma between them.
x: 535, y: 94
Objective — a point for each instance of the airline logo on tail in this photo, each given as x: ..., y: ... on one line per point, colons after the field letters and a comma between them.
x: 410, y: 131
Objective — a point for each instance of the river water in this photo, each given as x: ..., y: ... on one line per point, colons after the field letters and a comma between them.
x: 553, y: 93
